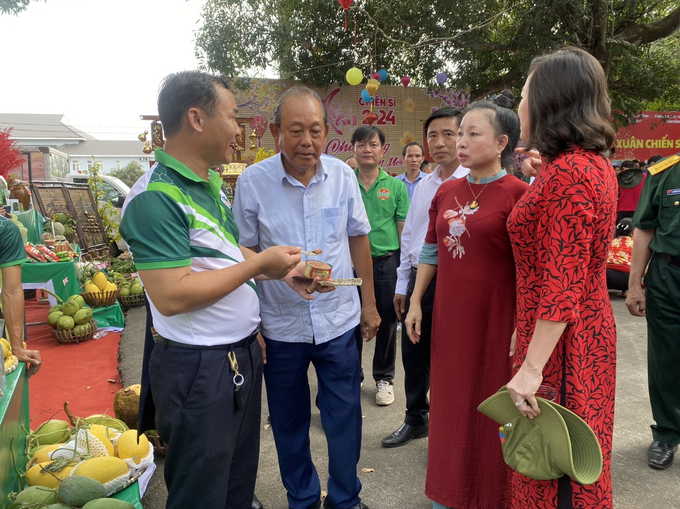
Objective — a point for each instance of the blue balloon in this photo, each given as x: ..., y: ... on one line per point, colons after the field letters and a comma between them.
x: 383, y: 75
x: 366, y: 97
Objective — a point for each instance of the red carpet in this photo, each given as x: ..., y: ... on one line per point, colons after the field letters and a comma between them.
x: 78, y: 374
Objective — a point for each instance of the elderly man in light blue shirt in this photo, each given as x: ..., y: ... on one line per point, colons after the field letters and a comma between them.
x: 312, y: 200
x: 413, y: 154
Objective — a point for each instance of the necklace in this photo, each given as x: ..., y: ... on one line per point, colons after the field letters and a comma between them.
x: 474, y: 203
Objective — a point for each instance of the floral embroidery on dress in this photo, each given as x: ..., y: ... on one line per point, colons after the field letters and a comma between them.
x: 457, y: 228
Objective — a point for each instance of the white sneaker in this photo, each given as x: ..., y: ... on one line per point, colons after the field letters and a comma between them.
x: 385, y: 393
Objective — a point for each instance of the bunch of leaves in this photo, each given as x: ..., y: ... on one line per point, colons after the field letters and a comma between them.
x: 263, y: 154
x: 124, y: 266
x: 109, y: 215
x: 10, y: 156
x: 129, y: 174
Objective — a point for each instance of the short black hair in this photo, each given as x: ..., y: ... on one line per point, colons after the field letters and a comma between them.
x: 181, y: 91
x: 654, y: 159
x: 504, y: 122
x: 425, y: 163
x: 367, y: 132
x: 403, y: 150
x: 447, y: 112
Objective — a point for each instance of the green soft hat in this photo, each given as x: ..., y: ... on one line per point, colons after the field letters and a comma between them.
x: 555, y: 443
x: 630, y: 177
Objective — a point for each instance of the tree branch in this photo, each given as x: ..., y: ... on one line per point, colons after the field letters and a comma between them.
x: 644, y: 34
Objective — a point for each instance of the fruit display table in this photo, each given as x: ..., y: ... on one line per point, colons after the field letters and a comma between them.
x: 14, y: 422
x: 59, y: 278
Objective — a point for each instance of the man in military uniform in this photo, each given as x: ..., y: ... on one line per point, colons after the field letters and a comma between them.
x: 657, y: 236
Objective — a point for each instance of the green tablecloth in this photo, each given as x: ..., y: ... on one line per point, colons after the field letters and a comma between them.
x: 58, y: 277
x: 110, y: 316
x: 14, y: 420
x: 131, y: 495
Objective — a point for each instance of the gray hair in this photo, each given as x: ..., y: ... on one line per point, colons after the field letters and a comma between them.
x: 297, y: 91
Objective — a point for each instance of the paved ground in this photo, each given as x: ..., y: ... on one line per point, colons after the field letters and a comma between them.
x: 399, y: 476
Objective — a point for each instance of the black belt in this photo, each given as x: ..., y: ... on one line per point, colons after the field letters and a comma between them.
x: 382, y: 257
x: 673, y: 260
x: 228, y: 346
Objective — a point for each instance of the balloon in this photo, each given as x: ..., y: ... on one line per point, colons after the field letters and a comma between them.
x: 375, y: 76
x: 366, y: 97
x: 345, y: 3
x: 354, y: 76
x: 372, y: 87
x: 442, y: 78
x: 405, y: 80
x: 383, y: 75
x: 370, y: 118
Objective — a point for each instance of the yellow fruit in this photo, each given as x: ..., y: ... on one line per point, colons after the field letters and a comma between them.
x: 92, y: 288
x: 42, y: 454
x: 103, y: 469
x: 100, y: 280
x: 103, y: 433
x: 128, y: 448
x: 6, y: 351
x: 6, y: 345
x: 110, y: 287
x: 38, y: 476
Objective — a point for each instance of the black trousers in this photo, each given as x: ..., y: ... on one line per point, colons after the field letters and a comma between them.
x: 213, y: 448
x: 617, y: 280
x: 662, y: 284
x: 384, y: 283
x: 416, y: 358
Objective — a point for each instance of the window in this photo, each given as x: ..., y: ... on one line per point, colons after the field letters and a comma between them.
x: 118, y: 165
x: 89, y: 166
x: 76, y: 166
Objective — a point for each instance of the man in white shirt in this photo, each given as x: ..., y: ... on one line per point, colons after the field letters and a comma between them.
x: 442, y: 134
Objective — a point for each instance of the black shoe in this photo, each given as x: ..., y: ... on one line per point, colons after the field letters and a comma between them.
x: 317, y: 505
x: 256, y: 503
x: 660, y: 455
x: 360, y: 505
x: 405, y: 434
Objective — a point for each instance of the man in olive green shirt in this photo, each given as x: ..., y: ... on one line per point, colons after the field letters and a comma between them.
x: 386, y: 201
x: 657, y: 236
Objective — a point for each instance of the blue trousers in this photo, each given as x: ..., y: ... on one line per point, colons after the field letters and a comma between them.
x: 337, y: 368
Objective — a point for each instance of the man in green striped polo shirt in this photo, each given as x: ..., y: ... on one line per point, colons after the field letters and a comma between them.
x: 205, y: 370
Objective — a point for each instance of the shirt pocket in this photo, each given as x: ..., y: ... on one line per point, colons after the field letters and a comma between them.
x: 334, y: 223
x: 670, y: 213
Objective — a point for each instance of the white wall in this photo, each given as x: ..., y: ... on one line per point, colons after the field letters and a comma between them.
x: 108, y: 163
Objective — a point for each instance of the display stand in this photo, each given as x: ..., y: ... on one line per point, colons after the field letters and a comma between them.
x: 14, y: 424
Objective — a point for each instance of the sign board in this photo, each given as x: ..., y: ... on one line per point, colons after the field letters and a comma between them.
x: 653, y: 133
x: 401, y: 115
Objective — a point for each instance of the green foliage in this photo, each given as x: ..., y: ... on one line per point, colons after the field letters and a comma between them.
x: 107, y: 212
x: 483, y: 45
x: 13, y: 6
x: 129, y: 174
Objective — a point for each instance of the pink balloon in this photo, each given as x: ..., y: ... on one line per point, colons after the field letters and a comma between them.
x: 375, y: 76
x: 405, y: 80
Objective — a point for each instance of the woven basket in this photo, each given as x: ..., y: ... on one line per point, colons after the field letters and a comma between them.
x: 131, y: 301
x: 69, y: 336
x: 102, y: 299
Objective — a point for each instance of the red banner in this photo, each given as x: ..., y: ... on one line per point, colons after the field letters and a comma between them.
x: 654, y: 133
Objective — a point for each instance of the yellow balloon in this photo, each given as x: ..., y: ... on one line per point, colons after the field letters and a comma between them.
x: 354, y: 76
